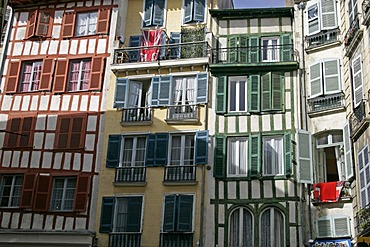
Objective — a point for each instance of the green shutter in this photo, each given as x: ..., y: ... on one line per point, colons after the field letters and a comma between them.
x: 288, y: 154
x: 150, y: 150
x: 113, y: 152
x: 243, y: 49
x: 134, y: 214
x: 106, y: 215
x: 266, y: 92
x: 120, y: 94
x: 286, y: 48
x: 221, y: 94
x: 253, y: 50
x: 201, y: 147
x: 254, y: 155
x: 253, y: 93
x: 185, y: 213
x: 169, y: 213
x: 219, y: 157
x: 277, y: 91
x: 232, y: 49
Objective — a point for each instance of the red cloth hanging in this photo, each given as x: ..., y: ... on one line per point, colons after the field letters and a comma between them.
x: 328, y: 192
x: 150, y: 38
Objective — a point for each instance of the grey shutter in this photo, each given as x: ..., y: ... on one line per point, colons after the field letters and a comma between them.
x: 254, y: 93
x: 324, y: 228
x: 134, y: 42
x: 113, y: 151
x: 120, y: 94
x: 288, y: 154
x: 148, y: 12
x: 201, y: 147
x: 164, y: 90
x: 232, y: 49
x: 188, y: 11
x: 221, y: 95
x: 169, y: 213
x: 266, y: 92
x: 254, y: 146
x: 286, y: 48
x: 199, y: 10
x: 277, y: 91
x: 106, y: 215
x: 331, y: 76
x: 315, y: 80
x: 155, y: 91
x: 202, y: 88
x: 158, y: 12
x: 357, y: 81
x: 253, y: 49
x: 219, y: 157
x: 328, y: 14
x: 347, y: 152
x: 134, y: 214
x: 341, y: 226
x: 185, y: 213
x: 304, y: 156
x: 175, y: 38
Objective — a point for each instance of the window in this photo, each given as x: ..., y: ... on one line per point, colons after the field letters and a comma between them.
x: 321, y: 15
x: 31, y: 75
x: 70, y: 131
x: 38, y: 23
x: 325, y: 78
x: 86, y: 23
x: 333, y: 226
x: 270, y: 49
x: 133, y: 151
x: 153, y: 12
x: 182, y: 150
x: 357, y: 81
x: 272, y: 228
x: 20, y: 132
x: 10, y: 190
x: 128, y: 214
x: 194, y: 10
x: 364, y: 171
x: 178, y: 213
x: 79, y: 75
x: 241, y: 228
x: 273, y: 159
x: 238, y: 94
x: 63, y: 194
x: 237, y: 156
x: 352, y: 11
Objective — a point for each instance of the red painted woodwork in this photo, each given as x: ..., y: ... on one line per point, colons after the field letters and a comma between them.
x: 82, y: 192
x: 31, y: 24
x: 103, y: 21
x: 68, y: 24
x: 47, y: 70
x: 60, y: 76
x: 42, y: 194
x: 13, y: 72
x: 29, y: 181
x: 96, y: 73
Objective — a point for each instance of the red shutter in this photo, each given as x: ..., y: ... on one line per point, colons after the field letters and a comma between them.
x: 14, y: 127
x: 27, y: 192
x: 62, y: 133
x: 82, y: 192
x: 60, y: 76
x: 47, y: 70
x: 42, y: 194
x: 25, y: 137
x: 78, y: 131
x: 13, y: 72
x: 96, y: 73
x: 103, y: 21
x: 31, y: 24
x: 68, y: 24
x: 43, y: 22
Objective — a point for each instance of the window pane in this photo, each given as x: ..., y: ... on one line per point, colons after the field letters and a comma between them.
x: 278, y: 228
x: 266, y: 229
x: 273, y: 155
x: 127, y: 151
x: 86, y: 23
x: 140, y: 151
x: 233, y: 96
x: 247, y: 228
x: 63, y: 194
x: 189, y: 150
x: 176, y: 150
x: 234, y: 228
x: 121, y: 214
x: 242, y: 96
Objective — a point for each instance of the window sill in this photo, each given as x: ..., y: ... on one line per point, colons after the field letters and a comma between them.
x: 182, y: 121
x: 129, y: 184
x: 180, y: 183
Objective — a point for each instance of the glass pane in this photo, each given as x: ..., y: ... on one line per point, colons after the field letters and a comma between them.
x: 242, y: 95
x: 234, y: 228
x: 121, y: 214
x: 176, y: 150
x: 128, y: 145
x: 233, y: 96
x: 266, y: 229
x: 140, y: 151
x: 189, y: 150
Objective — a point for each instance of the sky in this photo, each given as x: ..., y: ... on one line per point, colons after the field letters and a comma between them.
x: 258, y: 3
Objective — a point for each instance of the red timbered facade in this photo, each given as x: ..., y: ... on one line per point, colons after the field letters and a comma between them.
x: 51, y: 116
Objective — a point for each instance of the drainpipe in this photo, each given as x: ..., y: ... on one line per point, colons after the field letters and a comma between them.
x: 6, y: 40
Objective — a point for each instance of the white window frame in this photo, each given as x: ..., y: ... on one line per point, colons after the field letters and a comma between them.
x: 90, y: 17
x: 238, y: 156
x: 63, y: 198
x: 275, y: 168
x: 362, y: 156
x: 80, y: 74
x: 315, y: 9
x: 134, y: 161
x: 355, y: 88
x: 241, y: 229
x: 353, y: 12
x: 15, y: 190
x: 331, y: 220
x: 272, y: 50
x: 32, y: 79
x: 238, y: 82
x: 183, y: 145
x: 323, y: 77
x: 272, y: 226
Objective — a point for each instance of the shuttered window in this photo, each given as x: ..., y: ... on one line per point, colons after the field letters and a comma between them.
x: 178, y: 213
x: 364, y: 176
x: 128, y: 214
x: 325, y: 78
x: 304, y: 156
x: 333, y: 226
x: 38, y: 23
x: 194, y: 11
x: 154, y: 12
x: 357, y: 81
x: 71, y: 132
x: 20, y: 132
x: 321, y: 15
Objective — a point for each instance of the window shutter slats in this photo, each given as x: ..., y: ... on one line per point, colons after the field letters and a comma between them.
x: 155, y: 91
x: 185, y: 213
x: 253, y: 49
x: 316, y: 80
x: 328, y: 14
x: 120, y: 94
x: 288, y: 154
x: 13, y: 72
x: 27, y: 126
x: 201, y: 147
x: 202, y: 88
x: 113, y: 152
x: 150, y: 151
x: 341, y: 227
x: 47, y: 71
x: 28, y: 190
x: 286, y: 48
x: 68, y: 24
x: 220, y: 157
x: 158, y: 12
x: 277, y: 91
x: 42, y: 193
x: 254, y: 155
x: 221, y: 95
x: 31, y: 24
x: 148, y: 12
x: 106, y: 216
x: 357, y: 81
x: 103, y: 21
x: 82, y: 192
x: 243, y: 49
x: 96, y: 73
x: 64, y: 128
x: 324, y: 228
x: 164, y: 90
x: 60, y: 76
x: 134, y: 216
x: 232, y: 49
x: 169, y: 213
x: 332, y: 76
x: 266, y: 92
x: 78, y: 127
x: 14, y: 127
x: 188, y: 13
x: 347, y: 153
x: 304, y: 155
x: 254, y: 93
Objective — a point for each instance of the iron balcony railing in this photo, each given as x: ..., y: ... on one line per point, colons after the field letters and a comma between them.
x: 253, y: 54
x: 161, y: 52
x: 182, y: 112
x: 138, y: 114
x: 176, y: 240
x: 180, y: 173
x: 351, y: 33
x: 323, y: 38
x: 325, y: 103
x: 124, y: 239
x: 130, y: 174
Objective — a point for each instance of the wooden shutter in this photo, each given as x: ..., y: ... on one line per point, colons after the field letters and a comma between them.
x: 96, y: 73
x: 328, y: 14
x: 68, y: 24
x: 277, y: 87
x: 31, y: 24
x: 29, y: 181
x: 188, y: 11
x: 202, y: 88
x: 347, y: 152
x: 120, y: 94
x: 254, y: 93
x: 288, y: 154
x: 357, y: 81
x: 161, y: 147
x: 304, y: 157
x: 243, y: 49
x: 266, y: 92
x: 47, y: 72
x: 148, y: 12
x: 199, y: 10
x: 42, y: 193
x: 113, y: 152
x: 201, y: 147
x: 221, y: 95
x: 219, y: 157
x: 324, y: 228
x: 103, y: 21
x: 14, y: 128
x: 62, y: 133
x: 341, y: 227
x: 169, y: 213
x: 60, y: 79
x: 150, y: 150
x: 107, y: 214
x: 316, y: 88
x: 155, y: 91
x: 331, y: 71
x: 158, y: 12
x: 254, y: 146
x: 25, y: 140
x: 286, y: 48
x: 82, y: 193
x: 164, y: 90
x: 134, y: 42
x: 43, y: 23
x: 253, y: 49
x: 13, y: 73
x: 78, y: 127
x: 232, y: 49
x: 185, y: 213
x: 134, y: 209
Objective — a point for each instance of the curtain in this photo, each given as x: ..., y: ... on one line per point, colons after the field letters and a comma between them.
x: 75, y: 70
x: 27, y: 72
x: 266, y: 229
x: 234, y: 228
x: 82, y: 24
x: 121, y: 215
x: 243, y: 157
x: 189, y: 150
x: 127, y: 151
x: 233, y: 164
x: 178, y: 91
x: 140, y: 151
x: 247, y: 228
x: 273, y: 156
x: 93, y: 18
x: 86, y: 67
x: 36, y: 75
x: 190, y: 91
x: 176, y: 150
x: 279, y: 228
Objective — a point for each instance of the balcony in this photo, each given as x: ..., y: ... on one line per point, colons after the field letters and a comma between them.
x: 323, y: 38
x: 362, y: 220
x: 327, y: 104
x: 182, y: 114
x: 137, y: 116
x: 331, y: 192
x: 366, y: 12
x: 180, y: 174
x: 353, y: 37
x: 124, y: 239
x: 130, y: 174
x: 176, y: 239
x: 358, y: 121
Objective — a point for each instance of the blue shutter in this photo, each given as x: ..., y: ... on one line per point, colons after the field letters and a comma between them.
x: 175, y: 38
x: 113, y: 152
x: 106, y: 216
x: 134, y: 42
x: 201, y: 147
x: 157, y: 145
x: 288, y: 154
x: 254, y: 93
x: 150, y: 150
x: 120, y: 95
x: 164, y: 90
x: 219, y: 157
x: 188, y: 11
x: 158, y: 12
x: 199, y: 10
x: 134, y: 214
x: 148, y: 12
x: 254, y: 144
x: 221, y: 95
x: 169, y: 213
x: 202, y: 89
x: 155, y: 91
x: 185, y: 213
